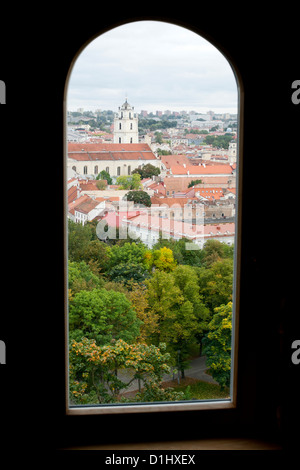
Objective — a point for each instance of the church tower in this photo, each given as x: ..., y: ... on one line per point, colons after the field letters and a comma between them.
x: 126, y: 125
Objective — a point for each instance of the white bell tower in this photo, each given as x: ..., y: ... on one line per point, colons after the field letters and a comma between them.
x: 126, y: 125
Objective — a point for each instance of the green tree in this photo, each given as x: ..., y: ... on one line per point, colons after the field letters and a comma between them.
x: 147, y: 171
x: 181, y: 254
x: 104, y: 175
x: 221, y: 141
x: 127, y: 253
x: 187, y: 280
x: 158, y: 137
x: 96, y: 255
x: 101, y: 185
x: 81, y: 277
x: 162, y: 297
x: 128, y: 273
x: 94, y: 371
x: 78, y: 238
x: 163, y: 259
x: 84, y: 245
x: 139, y: 197
x: 214, y: 250
x: 218, y: 345
x: 174, y: 298
x: 139, y: 301
x: 102, y: 315
x: 216, y: 283
x: 194, y: 182
x: 130, y: 181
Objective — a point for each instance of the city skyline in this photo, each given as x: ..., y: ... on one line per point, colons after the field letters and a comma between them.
x: 156, y: 66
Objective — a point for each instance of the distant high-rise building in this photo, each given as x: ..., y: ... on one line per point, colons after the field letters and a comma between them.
x: 126, y: 125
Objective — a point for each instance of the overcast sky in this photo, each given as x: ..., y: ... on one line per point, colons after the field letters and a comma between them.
x: 158, y: 66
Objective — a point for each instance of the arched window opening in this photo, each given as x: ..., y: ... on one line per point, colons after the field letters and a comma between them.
x: 167, y: 339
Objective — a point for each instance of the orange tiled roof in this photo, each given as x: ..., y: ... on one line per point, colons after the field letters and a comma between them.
x: 181, y: 165
x: 72, y: 206
x: 210, y: 193
x: 106, y: 147
x: 105, y: 151
x: 86, y: 206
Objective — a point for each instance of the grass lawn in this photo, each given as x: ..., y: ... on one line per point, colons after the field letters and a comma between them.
x: 198, y: 390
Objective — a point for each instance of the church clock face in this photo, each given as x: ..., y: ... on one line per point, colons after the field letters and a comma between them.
x: 126, y: 125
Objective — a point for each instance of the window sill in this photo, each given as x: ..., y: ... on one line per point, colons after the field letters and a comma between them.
x: 197, y: 444
x: 148, y: 408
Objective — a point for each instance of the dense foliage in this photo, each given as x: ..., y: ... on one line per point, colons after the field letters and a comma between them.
x: 136, y: 314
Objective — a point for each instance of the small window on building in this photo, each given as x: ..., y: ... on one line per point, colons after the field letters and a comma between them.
x: 118, y: 170
x: 85, y: 170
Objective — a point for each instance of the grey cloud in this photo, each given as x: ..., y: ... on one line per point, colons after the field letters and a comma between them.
x: 154, y: 63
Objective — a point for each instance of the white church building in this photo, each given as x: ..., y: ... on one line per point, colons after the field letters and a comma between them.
x: 119, y: 158
x: 126, y: 125
x: 89, y: 159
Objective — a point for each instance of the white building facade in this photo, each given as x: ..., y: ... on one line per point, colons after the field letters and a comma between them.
x: 147, y: 226
x: 88, y: 159
x: 126, y: 125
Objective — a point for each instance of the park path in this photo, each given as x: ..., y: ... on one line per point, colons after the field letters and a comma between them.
x: 196, y: 370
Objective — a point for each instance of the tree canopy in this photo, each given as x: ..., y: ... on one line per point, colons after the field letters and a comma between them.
x: 130, y: 305
x: 139, y: 197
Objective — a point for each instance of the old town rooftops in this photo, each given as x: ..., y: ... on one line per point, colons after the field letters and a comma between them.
x: 181, y: 165
x: 102, y: 151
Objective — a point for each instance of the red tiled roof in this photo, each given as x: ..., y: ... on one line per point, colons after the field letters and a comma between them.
x: 86, y: 206
x: 72, y: 206
x: 171, y: 201
x: 72, y: 194
x: 210, y: 193
x: 113, y: 218
x: 106, y: 151
x: 201, y: 170
x: 106, y: 147
x: 112, y: 156
x: 181, y: 165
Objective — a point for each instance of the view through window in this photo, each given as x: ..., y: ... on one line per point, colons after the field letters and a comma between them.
x: 152, y: 160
